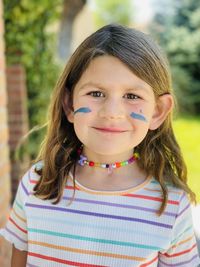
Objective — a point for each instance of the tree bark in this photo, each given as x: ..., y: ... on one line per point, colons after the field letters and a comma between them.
x: 71, y: 8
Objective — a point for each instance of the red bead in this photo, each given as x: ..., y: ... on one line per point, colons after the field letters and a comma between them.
x: 91, y: 163
x: 79, y: 151
x: 118, y: 164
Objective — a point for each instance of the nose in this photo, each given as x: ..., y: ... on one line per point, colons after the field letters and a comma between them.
x: 112, y: 109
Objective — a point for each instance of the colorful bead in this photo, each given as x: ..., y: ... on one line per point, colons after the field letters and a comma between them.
x: 97, y: 164
x: 83, y: 161
x: 79, y: 151
x: 118, y: 164
x: 136, y: 155
x: 130, y: 160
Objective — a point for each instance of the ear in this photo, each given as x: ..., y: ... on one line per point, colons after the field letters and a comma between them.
x: 164, y: 105
x: 68, y: 107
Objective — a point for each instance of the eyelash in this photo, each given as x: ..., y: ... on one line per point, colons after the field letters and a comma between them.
x: 95, y: 93
x: 98, y: 94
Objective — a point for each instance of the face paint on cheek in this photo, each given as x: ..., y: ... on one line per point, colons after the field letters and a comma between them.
x: 138, y: 116
x: 83, y: 110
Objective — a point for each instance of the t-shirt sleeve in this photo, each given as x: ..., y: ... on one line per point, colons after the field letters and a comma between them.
x: 15, y: 230
x: 183, y: 248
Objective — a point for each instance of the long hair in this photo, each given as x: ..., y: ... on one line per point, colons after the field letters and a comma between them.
x: 160, y: 154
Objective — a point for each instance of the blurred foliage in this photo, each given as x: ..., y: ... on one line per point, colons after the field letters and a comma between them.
x: 177, y: 27
x: 185, y: 128
x: 113, y: 11
x: 29, y: 42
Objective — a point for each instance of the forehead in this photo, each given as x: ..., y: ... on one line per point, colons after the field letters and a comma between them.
x: 109, y: 71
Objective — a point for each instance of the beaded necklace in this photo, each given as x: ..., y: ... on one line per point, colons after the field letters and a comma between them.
x: 110, y: 166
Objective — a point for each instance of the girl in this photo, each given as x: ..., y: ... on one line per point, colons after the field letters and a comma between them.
x: 109, y: 185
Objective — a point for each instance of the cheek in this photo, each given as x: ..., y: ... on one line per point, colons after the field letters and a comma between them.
x: 83, y: 118
x: 141, y: 113
x: 83, y: 110
x: 82, y: 123
x: 138, y: 113
x: 138, y: 116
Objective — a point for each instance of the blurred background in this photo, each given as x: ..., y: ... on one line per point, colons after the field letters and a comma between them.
x: 36, y: 40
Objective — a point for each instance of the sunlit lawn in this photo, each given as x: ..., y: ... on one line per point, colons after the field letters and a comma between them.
x: 187, y: 131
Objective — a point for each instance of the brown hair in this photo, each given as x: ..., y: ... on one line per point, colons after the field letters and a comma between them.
x: 160, y: 154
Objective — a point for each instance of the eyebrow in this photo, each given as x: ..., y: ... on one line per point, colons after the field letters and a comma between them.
x: 133, y: 87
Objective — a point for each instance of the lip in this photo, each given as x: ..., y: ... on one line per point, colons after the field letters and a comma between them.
x: 109, y: 129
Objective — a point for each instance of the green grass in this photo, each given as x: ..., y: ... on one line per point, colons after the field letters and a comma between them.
x: 187, y: 131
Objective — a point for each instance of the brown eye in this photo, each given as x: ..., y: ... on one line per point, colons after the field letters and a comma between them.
x: 96, y: 94
x: 131, y: 96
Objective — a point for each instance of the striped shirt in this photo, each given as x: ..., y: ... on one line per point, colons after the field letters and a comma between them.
x: 102, y: 228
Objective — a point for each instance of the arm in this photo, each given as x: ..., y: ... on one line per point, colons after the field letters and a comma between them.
x: 18, y: 257
x: 183, y: 248
x: 16, y: 231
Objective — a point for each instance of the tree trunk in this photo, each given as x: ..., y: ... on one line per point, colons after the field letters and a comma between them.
x: 70, y: 10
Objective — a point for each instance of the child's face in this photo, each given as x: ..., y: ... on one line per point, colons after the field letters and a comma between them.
x: 113, y: 108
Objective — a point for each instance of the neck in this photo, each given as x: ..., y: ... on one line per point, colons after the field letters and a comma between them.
x: 108, y: 158
x: 110, y: 167
x: 98, y: 178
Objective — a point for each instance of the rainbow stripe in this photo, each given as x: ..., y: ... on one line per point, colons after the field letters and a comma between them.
x: 102, y: 228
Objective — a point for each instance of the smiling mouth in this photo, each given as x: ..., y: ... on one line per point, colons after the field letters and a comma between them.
x: 109, y: 130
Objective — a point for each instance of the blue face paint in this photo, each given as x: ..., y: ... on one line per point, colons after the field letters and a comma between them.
x: 83, y: 110
x: 138, y: 116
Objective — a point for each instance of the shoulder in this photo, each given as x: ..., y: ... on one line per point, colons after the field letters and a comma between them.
x: 181, y: 202
x: 30, y: 178
x: 177, y: 197
x: 178, y: 194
